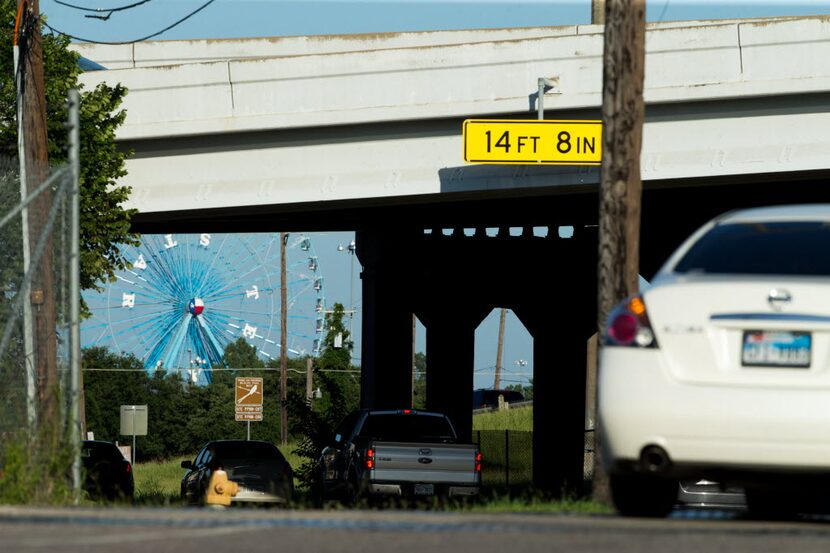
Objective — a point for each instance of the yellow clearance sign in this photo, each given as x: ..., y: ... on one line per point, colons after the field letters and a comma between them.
x: 533, y: 141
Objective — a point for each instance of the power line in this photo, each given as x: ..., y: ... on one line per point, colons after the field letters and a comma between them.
x: 108, y: 11
x: 180, y: 21
x: 265, y: 369
x: 663, y: 13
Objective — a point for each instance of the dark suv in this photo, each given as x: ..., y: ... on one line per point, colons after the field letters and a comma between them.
x: 108, y: 475
x: 490, y: 398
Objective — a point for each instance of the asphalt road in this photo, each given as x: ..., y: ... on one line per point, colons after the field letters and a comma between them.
x: 250, y: 531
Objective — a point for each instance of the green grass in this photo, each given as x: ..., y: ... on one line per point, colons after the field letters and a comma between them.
x: 520, y: 418
x: 157, y: 482
x: 537, y: 505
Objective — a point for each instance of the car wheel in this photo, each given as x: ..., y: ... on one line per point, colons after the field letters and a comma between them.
x: 350, y: 495
x: 354, y: 495
x: 638, y: 495
x: 318, y: 489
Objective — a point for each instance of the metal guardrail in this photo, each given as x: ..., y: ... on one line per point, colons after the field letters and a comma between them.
x: 514, y: 405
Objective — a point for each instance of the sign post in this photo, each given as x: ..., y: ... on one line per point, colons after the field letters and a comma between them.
x: 133, y: 422
x: 248, y: 400
x: 533, y: 141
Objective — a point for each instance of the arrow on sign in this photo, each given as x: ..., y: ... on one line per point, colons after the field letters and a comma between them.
x: 251, y: 392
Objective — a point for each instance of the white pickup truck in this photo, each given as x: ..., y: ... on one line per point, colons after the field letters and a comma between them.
x: 402, y: 452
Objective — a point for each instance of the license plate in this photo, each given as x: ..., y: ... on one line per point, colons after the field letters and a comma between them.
x: 424, y: 489
x: 776, y: 348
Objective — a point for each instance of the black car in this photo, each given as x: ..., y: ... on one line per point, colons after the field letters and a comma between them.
x: 107, y: 474
x: 260, y: 469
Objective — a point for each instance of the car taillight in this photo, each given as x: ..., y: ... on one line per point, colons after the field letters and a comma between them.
x: 478, y: 462
x: 128, y: 468
x: 370, y: 458
x: 628, y: 325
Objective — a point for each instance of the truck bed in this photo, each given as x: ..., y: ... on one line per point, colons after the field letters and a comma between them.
x: 402, y: 468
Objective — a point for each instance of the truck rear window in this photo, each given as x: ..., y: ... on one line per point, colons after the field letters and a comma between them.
x: 407, y: 428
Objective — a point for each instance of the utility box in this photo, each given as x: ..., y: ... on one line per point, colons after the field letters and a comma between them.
x: 134, y: 420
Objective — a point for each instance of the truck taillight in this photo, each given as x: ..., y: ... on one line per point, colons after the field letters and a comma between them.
x: 478, y: 462
x: 370, y: 458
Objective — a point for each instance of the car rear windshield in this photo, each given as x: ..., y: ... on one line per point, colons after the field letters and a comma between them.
x: 92, y: 452
x: 761, y: 249
x: 407, y: 428
x: 247, y: 450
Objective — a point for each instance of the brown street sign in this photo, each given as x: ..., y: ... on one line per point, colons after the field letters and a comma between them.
x: 248, y: 399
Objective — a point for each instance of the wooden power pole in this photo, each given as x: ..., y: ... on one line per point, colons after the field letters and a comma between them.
x: 499, y: 350
x: 36, y: 163
x: 620, y: 186
x: 283, y: 343
x: 597, y: 12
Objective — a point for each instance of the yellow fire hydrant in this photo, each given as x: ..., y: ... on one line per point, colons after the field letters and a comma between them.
x: 220, y: 490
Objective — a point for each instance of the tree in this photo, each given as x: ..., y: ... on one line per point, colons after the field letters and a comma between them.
x: 105, y: 224
x: 241, y: 355
x: 111, y: 380
x: 340, y: 388
x: 334, y: 356
x: 526, y: 391
x: 340, y: 394
x: 420, y: 387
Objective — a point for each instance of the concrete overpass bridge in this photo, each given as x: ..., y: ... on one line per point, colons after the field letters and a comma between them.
x: 364, y: 133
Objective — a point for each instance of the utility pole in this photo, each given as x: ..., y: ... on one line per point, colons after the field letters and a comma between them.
x: 620, y: 186
x: 309, y: 381
x: 500, y: 349
x: 597, y: 12
x: 75, y: 424
x: 28, y: 327
x: 32, y: 110
x: 283, y: 344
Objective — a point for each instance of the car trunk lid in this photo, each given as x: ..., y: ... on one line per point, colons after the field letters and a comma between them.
x: 762, y: 331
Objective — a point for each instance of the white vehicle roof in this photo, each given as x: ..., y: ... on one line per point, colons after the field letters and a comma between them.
x: 779, y: 213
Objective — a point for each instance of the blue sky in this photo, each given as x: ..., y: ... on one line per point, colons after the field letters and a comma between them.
x: 251, y: 18
x: 254, y: 18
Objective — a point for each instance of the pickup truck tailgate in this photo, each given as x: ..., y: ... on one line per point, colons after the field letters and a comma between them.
x: 427, y: 463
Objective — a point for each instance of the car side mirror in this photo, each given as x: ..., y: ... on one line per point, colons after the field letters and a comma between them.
x: 187, y: 465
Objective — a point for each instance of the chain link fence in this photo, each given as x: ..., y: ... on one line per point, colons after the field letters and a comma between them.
x: 508, y: 458
x: 34, y: 304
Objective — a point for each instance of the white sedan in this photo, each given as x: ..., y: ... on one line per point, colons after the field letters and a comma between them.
x: 721, y: 368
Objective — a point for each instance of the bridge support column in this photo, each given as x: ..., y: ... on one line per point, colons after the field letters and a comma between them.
x: 386, y: 348
x: 561, y: 325
x: 450, y: 357
x: 559, y: 362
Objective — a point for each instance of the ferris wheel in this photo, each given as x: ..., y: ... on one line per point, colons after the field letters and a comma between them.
x: 186, y: 296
